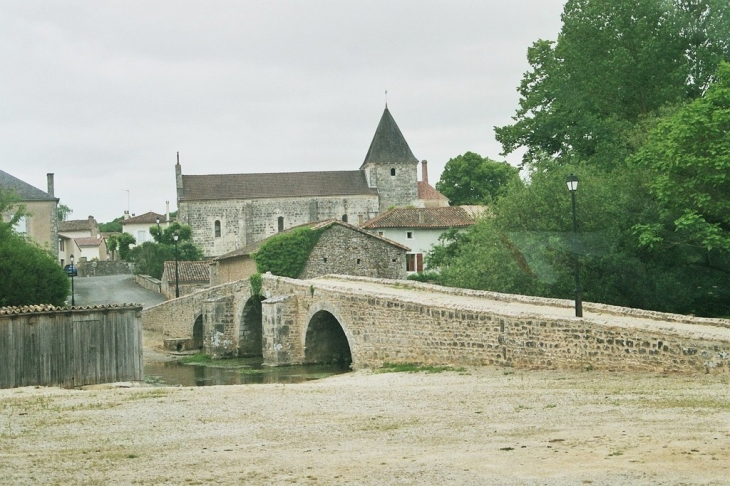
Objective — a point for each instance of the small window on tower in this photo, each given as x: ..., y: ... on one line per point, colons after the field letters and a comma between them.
x: 344, y: 218
x: 217, y: 228
x: 392, y: 171
x: 280, y: 223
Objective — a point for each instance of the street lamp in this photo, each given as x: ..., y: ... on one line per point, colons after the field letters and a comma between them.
x: 177, y: 275
x: 158, y: 226
x: 572, y: 182
x: 73, y: 271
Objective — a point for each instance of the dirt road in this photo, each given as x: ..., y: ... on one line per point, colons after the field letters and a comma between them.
x: 478, y: 426
x: 114, y: 289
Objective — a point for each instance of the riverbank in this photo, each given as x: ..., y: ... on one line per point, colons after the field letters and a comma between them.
x: 479, y: 426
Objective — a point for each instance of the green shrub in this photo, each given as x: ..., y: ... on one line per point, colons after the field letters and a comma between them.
x: 285, y: 254
x: 256, y: 281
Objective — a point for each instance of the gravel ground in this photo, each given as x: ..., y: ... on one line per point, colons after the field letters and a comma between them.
x: 477, y: 426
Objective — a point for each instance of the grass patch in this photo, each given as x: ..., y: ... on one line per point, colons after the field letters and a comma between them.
x: 196, y: 358
x: 416, y: 368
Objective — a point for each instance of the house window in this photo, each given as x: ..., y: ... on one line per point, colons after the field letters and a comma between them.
x: 380, y: 233
x: 344, y: 218
x: 392, y: 171
x: 414, y: 262
x: 409, y: 235
x: 217, y: 226
x: 61, y: 244
x: 21, y: 227
x: 280, y: 223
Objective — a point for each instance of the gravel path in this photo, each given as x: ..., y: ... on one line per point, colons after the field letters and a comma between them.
x: 474, y: 427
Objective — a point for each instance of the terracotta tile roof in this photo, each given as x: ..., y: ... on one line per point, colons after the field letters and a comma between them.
x: 146, y: 218
x: 428, y: 192
x: 75, y: 225
x: 30, y: 309
x: 271, y: 185
x: 90, y: 241
x: 252, y: 248
x: 23, y: 190
x: 446, y: 217
x: 188, y: 271
x: 388, y: 145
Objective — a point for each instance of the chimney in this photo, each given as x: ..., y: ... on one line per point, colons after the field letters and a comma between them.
x: 424, y: 171
x: 126, y: 214
x: 50, y: 184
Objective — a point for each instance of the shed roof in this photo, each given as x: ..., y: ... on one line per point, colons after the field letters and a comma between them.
x: 275, y: 185
x: 198, y: 271
x: 23, y: 190
x: 446, y: 217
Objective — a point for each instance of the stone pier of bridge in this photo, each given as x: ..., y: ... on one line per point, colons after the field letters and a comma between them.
x: 369, y: 322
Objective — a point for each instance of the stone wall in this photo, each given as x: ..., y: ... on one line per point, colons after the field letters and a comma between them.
x: 382, y: 329
x: 149, y: 283
x: 103, y: 268
x: 244, y: 222
x: 341, y: 250
x: 399, y: 190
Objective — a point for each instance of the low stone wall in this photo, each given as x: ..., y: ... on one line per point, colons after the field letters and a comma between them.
x: 103, y: 268
x: 149, y: 283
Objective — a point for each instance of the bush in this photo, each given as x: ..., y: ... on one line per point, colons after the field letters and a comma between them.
x: 286, y: 254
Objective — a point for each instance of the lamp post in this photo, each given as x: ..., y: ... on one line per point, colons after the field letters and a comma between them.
x: 572, y: 182
x: 177, y: 275
x: 158, y: 226
x: 73, y: 271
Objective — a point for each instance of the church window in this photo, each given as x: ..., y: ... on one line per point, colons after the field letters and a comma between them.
x: 358, y: 261
x: 281, y: 223
x: 392, y: 171
x: 344, y: 218
x: 217, y: 227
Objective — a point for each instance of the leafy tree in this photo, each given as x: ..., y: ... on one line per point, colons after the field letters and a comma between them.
x: 121, y: 243
x: 28, y: 273
x: 689, y: 155
x: 114, y: 226
x: 615, y: 62
x: 473, y: 179
x: 63, y: 212
x: 149, y: 257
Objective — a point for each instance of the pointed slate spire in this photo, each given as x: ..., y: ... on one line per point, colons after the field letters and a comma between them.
x: 388, y: 145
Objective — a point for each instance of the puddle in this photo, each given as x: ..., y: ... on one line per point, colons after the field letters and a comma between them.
x: 234, y: 372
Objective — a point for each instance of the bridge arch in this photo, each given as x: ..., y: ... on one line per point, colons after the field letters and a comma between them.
x: 326, y: 339
x: 198, y: 333
x: 250, y: 328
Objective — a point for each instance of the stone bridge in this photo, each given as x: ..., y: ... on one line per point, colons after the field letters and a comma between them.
x: 368, y: 322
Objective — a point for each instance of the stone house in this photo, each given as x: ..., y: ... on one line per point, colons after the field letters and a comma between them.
x: 341, y: 249
x: 420, y: 228
x: 191, y: 276
x: 91, y: 248
x: 41, y: 222
x: 231, y: 211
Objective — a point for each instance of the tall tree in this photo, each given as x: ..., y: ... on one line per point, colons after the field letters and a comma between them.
x: 473, y: 179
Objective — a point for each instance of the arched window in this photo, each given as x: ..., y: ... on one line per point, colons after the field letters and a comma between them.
x: 217, y: 226
x: 392, y: 171
x: 344, y: 218
x: 281, y: 223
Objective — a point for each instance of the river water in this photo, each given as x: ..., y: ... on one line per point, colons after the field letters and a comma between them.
x: 233, y: 372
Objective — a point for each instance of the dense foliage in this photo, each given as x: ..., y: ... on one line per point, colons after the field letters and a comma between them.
x: 473, y: 179
x: 149, y: 258
x: 634, y: 99
x: 114, y: 226
x: 28, y: 273
x: 285, y: 254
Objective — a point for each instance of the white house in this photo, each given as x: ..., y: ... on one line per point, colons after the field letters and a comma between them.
x: 69, y: 232
x: 420, y: 228
x: 139, y: 226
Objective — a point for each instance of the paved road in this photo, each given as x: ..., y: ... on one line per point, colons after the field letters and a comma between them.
x: 115, y: 289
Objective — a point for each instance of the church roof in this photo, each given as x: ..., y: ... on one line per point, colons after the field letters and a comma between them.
x: 275, y: 185
x: 23, y: 190
x: 388, y: 145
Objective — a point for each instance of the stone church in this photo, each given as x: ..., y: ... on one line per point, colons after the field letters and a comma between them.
x: 230, y: 211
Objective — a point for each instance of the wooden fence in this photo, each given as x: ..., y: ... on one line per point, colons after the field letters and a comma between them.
x: 70, y: 347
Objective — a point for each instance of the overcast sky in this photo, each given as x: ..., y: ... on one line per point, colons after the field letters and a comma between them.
x: 104, y: 93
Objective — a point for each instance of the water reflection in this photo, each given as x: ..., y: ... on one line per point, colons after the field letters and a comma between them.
x: 238, y: 372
